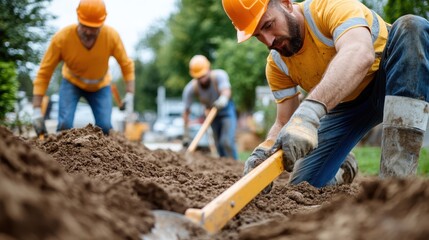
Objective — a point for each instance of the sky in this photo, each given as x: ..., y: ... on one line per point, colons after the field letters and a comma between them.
x: 131, y: 18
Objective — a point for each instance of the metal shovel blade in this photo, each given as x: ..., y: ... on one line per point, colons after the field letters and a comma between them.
x: 173, y: 226
x: 201, y: 223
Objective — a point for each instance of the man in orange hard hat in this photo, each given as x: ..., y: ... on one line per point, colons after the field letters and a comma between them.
x: 212, y: 88
x: 85, y: 49
x: 358, y: 71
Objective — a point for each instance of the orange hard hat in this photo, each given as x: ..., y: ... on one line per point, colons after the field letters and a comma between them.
x: 245, y: 15
x: 199, y: 66
x: 91, y: 13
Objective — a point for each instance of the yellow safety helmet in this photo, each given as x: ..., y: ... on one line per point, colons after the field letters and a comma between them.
x: 199, y: 66
x: 91, y: 13
x: 245, y: 15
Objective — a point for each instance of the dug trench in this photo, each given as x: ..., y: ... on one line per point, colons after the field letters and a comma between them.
x: 81, y: 184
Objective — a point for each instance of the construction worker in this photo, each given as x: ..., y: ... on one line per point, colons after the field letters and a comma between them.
x: 213, y: 89
x: 85, y: 49
x: 356, y: 69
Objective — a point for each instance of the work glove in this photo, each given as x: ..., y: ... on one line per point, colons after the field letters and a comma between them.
x: 221, y: 102
x: 299, y: 136
x: 38, y: 121
x: 259, y: 154
x: 186, y: 140
x: 129, y: 103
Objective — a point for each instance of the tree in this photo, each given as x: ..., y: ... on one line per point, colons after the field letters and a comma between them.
x: 22, y: 29
x: 195, y: 29
x: 8, y: 88
x: 245, y: 64
x: 396, y: 8
x: 202, y: 27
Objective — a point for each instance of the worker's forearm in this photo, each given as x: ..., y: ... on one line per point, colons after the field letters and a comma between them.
x: 274, y: 130
x: 37, y: 101
x: 344, y: 74
x: 226, y: 93
x: 129, y: 86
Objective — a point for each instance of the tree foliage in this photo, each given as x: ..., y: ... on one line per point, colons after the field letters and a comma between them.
x: 201, y: 27
x: 245, y: 64
x: 22, y: 30
x: 8, y: 88
x: 397, y: 8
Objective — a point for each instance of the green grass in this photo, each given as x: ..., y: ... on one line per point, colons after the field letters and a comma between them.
x: 369, y: 160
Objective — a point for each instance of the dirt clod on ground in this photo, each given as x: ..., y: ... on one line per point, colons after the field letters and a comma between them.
x: 81, y: 184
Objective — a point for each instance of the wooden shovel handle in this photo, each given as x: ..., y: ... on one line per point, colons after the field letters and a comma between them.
x: 223, y: 208
x: 203, y: 129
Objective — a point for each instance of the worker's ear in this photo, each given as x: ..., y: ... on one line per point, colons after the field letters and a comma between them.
x: 287, y: 5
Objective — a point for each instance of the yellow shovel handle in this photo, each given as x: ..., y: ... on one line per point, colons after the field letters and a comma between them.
x: 206, y: 124
x: 223, y: 208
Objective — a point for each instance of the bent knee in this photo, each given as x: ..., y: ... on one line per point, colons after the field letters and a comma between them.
x: 411, y: 23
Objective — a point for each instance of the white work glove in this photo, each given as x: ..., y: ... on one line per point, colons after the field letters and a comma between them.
x: 221, y: 102
x: 259, y: 154
x: 38, y: 121
x: 299, y: 136
x: 129, y: 102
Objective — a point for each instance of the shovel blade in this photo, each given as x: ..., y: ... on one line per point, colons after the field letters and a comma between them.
x: 174, y: 226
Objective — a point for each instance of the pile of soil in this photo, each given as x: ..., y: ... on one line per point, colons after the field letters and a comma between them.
x: 81, y: 184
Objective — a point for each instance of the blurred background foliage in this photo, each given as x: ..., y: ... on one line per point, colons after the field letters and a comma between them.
x: 196, y: 27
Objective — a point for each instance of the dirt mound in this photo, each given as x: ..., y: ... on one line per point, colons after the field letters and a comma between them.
x: 81, y: 184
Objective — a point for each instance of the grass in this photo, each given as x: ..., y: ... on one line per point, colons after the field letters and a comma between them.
x: 369, y: 160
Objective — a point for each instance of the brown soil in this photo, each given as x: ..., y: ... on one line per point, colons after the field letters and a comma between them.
x: 81, y: 184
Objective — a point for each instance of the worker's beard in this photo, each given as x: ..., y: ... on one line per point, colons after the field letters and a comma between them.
x: 205, y: 85
x: 88, y: 37
x: 293, y: 41
x: 205, y: 81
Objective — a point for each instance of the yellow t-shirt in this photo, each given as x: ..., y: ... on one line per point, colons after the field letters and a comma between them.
x: 85, y: 68
x: 325, y: 22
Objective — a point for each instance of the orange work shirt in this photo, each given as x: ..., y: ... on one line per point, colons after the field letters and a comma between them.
x: 84, y: 68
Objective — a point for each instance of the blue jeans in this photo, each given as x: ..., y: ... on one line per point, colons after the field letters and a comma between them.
x: 100, y: 102
x: 404, y: 71
x: 224, y: 126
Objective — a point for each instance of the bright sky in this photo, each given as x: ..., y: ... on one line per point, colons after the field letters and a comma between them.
x: 131, y: 18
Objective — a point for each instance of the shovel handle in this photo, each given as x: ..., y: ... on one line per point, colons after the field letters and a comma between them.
x: 116, y: 95
x: 206, y: 124
x: 223, y: 208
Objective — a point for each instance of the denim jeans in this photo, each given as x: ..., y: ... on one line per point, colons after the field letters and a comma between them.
x: 404, y: 71
x: 100, y: 102
x: 224, y: 126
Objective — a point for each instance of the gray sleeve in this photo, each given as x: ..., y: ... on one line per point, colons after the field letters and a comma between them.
x: 222, y: 79
x: 188, y: 95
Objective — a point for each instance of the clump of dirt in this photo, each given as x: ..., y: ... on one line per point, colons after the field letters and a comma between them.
x: 390, y: 209
x: 40, y: 200
x: 81, y: 184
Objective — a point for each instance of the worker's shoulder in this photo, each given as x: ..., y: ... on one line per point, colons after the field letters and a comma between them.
x: 109, y: 30
x: 66, y: 30
x: 219, y: 72
x: 64, y: 33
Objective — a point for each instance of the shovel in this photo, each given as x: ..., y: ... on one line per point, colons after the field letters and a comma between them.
x: 209, y: 119
x: 213, y: 217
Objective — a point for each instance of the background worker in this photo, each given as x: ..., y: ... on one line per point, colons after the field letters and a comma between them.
x: 85, y: 49
x: 355, y: 68
x: 212, y: 89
